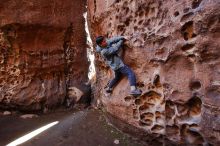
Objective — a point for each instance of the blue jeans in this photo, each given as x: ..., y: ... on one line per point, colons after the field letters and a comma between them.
x: 125, y: 70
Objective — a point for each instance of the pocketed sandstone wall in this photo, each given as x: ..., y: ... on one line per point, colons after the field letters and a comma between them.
x: 174, y: 50
x: 42, y: 45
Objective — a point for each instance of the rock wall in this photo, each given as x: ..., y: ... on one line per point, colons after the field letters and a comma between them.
x: 174, y: 50
x: 42, y: 44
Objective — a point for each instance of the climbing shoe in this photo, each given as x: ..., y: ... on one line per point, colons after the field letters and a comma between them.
x: 108, y: 90
x: 136, y: 92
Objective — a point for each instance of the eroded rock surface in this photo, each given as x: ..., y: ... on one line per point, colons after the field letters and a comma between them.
x: 42, y: 44
x: 174, y: 51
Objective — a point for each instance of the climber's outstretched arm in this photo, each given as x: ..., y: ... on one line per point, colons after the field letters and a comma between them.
x: 115, y: 40
x: 112, y: 50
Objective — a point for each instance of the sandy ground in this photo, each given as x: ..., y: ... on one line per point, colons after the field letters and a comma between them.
x: 75, y: 128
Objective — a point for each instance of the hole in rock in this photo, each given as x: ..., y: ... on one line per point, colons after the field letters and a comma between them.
x: 127, y: 21
x: 126, y: 9
x: 145, y: 107
x: 182, y: 109
x: 152, y: 10
x: 145, y: 37
x: 117, y: 1
x: 192, y: 137
x: 191, y: 56
x: 169, y: 108
x: 117, y: 9
x: 151, y: 87
x: 157, y: 128
x: 136, y: 13
x: 128, y: 98
x: 140, y: 84
x: 152, y: 97
x: 146, y: 116
x: 135, y: 20
x: 158, y: 114
x: 185, y: 10
x: 176, y: 14
x: 195, y: 105
x: 147, y: 10
x: 144, y: 98
x: 138, y: 101
x: 141, y: 13
x: 156, y: 81
x: 135, y: 28
x: 95, y: 8
x: 195, y: 85
x: 121, y: 28
x: 187, y: 30
x: 187, y: 47
x: 172, y: 130
x: 140, y: 22
x: 125, y: 3
x: 196, y: 3
x: 146, y: 122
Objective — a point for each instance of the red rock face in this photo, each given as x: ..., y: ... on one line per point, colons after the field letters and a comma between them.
x: 174, y: 50
x: 42, y: 44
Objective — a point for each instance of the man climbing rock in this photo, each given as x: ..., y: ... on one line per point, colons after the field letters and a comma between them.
x: 109, y: 50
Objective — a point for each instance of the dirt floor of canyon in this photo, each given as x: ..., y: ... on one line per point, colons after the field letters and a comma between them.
x: 75, y: 128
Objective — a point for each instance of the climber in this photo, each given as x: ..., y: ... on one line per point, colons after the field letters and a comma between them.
x: 109, y: 50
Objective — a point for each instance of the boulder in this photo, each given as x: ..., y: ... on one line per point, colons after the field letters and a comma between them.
x: 173, y: 48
